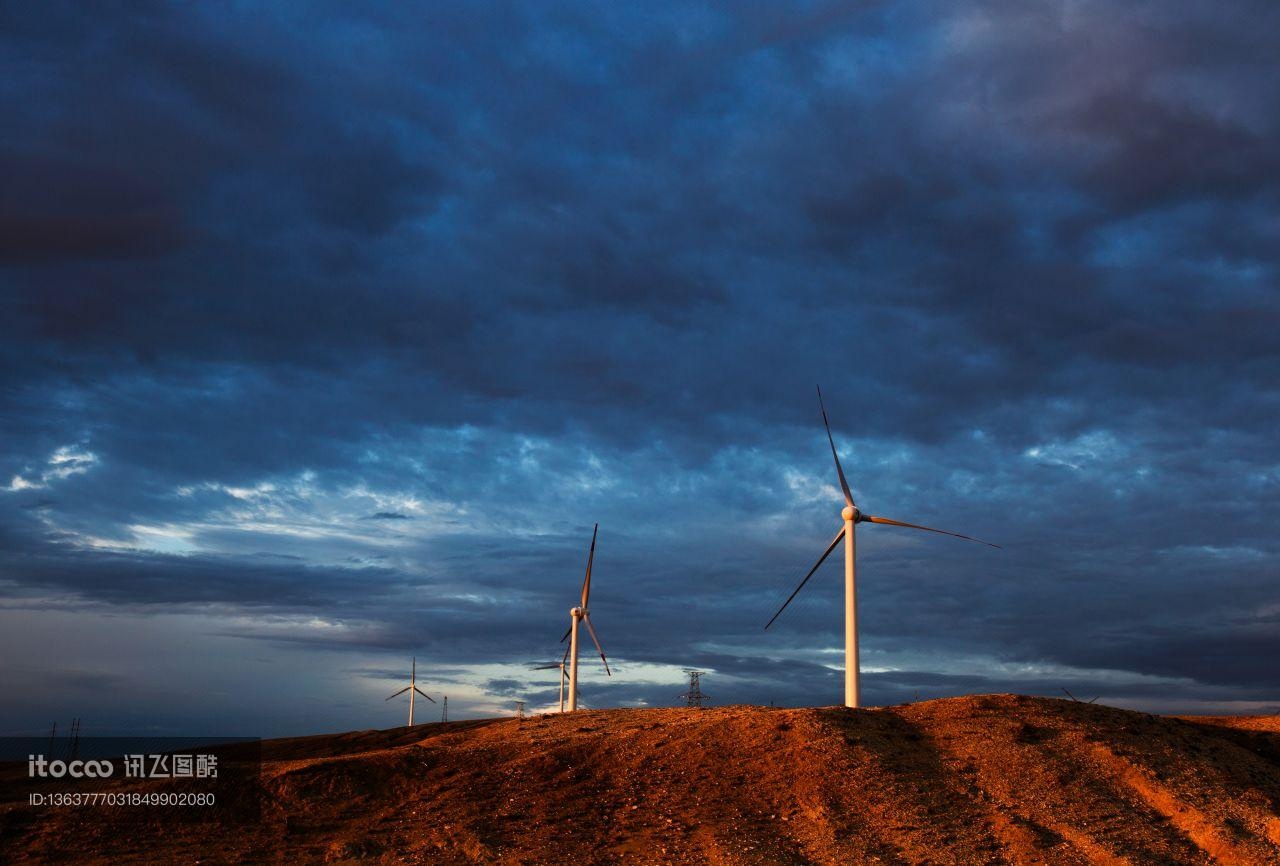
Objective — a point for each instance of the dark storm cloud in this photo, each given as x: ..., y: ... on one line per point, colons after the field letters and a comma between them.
x: 54, y: 211
x: 504, y: 687
x: 367, y: 315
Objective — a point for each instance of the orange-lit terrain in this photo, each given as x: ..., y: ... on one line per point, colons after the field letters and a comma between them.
x: 988, y: 779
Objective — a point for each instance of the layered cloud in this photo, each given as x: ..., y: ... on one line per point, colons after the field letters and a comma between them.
x: 337, y: 330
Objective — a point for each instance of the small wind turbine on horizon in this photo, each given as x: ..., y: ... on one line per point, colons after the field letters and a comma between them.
x: 852, y: 516
x: 582, y: 614
x: 560, y: 666
x: 412, y: 688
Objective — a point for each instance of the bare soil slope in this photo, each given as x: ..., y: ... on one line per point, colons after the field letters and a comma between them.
x: 988, y: 779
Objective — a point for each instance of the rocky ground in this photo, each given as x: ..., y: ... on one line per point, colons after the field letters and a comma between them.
x: 985, y: 779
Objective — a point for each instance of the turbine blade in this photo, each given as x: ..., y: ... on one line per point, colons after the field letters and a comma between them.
x: 821, y: 559
x: 545, y: 667
x: 586, y: 581
x: 424, y: 694
x: 399, y: 693
x: 844, y: 485
x: 591, y: 628
x: 565, y: 660
x: 566, y: 635
x: 889, y: 522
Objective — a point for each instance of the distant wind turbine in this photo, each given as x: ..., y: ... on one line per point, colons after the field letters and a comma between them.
x: 560, y: 666
x: 582, y: 614
x: 852, y: 517
x: 412, y: 688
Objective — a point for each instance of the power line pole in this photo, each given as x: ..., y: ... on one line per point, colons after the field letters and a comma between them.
x: 694, y: 697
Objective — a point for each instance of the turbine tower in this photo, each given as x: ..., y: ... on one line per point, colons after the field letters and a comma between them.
x: 412, y: 688
x: 560, y: 666
x: 852, y: 516
x: 582, y: 614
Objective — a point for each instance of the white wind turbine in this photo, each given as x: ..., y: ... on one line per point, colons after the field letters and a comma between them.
x: 852, y: 517
x: 564, y: 675
x: 412, y: 688
x: 582, y: 614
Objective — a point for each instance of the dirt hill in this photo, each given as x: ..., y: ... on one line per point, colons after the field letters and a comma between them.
x: 988, y: 779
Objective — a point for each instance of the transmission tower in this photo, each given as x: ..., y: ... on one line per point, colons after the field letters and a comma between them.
x: 694, y: 697
x: 519, y: 709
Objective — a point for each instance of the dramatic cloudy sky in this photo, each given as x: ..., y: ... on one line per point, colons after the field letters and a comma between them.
x: 328, y: 332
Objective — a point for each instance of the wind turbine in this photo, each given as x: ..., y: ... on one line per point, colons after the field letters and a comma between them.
x: 411, y: 688
x: 582, y: 614
x: 560, y: 665
x: 852, y: 516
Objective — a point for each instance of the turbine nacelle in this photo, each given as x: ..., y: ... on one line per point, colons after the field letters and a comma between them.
x: 851, y: 512
x: 577, y: 612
